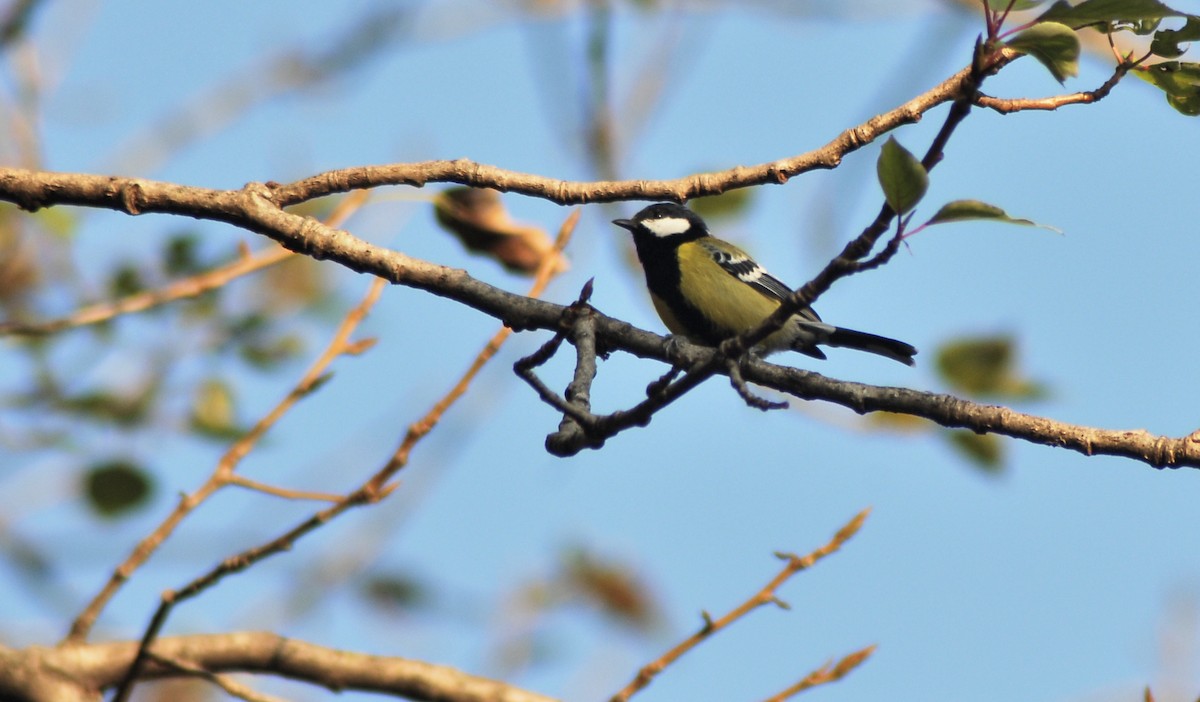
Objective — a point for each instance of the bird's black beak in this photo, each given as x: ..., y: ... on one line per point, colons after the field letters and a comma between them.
x: 625, y: 224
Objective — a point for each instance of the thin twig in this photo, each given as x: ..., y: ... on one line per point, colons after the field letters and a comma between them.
x: 830, y: 672
x: 226, y: 683
x: 420, y: 428
x: 137, y: 302
x: 371, y: 491
x: 734, y: 371
x: 1008, y: 106
x: 285, y: 493
x: 848, y: 262
x: 191, y: 286
x: 764, y: 596
x: 224, y: 471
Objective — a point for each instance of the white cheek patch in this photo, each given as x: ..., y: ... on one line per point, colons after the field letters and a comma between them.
x: 667, y: 226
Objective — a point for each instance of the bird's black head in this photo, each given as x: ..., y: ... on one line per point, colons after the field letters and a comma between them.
x: 665, y: 221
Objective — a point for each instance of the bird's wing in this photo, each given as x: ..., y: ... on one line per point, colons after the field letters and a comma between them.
x: 738, y: 263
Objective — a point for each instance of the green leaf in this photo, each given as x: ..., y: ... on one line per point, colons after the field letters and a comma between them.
x: 1167, y: 42
x: 728, y: 204
x: 976, y: 210
x: 1054, y: 45
x: 115, y: 487
x: 1108, y: 11
x: 59, y: 221
x: 397, y: 590
x: 902, y: 177
x: 126, y: 280
x: 1179, y: 80
x: 986, y: 451
x: 125, y: 410
x: 180, y: 258
x: 268, y: 353
x: 985, y: 367
x: 1017, y: 5
x: 213, y: 410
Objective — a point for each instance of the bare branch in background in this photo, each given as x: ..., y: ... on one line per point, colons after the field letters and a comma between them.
x: 291, y: 71
x: 79, y: 672
x: 372, y: 491
x: 766, y: 595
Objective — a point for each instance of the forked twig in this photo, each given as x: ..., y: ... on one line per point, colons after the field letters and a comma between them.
x: 226, y: 683
x: 766, y: 595
x: 223, y: 474
x: 374, y: 489
x: 422, y: 427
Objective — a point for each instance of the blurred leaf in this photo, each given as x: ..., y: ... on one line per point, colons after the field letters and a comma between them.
x: 60, y: 222
x: 985, y: 367
x: 115, y: 487
x: 19, y: 273
x: 179, y: 257
x: 477, y: 217
x: 730, y: 203
x: 1017, y: 5
x: 266, y: 354
x: 125, y: 410
x: 1180, y: 81
x: 248, y: 324
x: 1054, y: 45
x: 178, y: 690
x: 25, y: 557
x: 213, y: 412
x: 614, y: 587
x: 896, y: 421
x: 901, y: 175
x: 125, y: 280
x: 397, y: 590
x: 317, y: 208
x: 975, y: 210
x: 297, y: 281
x: 985, y: 451
x: 527, y: 649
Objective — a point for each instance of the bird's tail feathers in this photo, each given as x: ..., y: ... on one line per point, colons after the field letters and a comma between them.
x: 862, y: 341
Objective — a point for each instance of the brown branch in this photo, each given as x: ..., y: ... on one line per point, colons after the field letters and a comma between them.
x: 253, y: 208
x: 764, y: 596
x: 586, y: 430
x: 1008, y: 106
x: 305, y: 66
x: 373, y: 490
x: 830, y: 672
x: 179, y: 289
x: 849, y: 261
x: 250, y: 207
x: 285, y: 493
x: 956, y: 413
x: 232, y: 687
x: 81, y: 671
x: 223, y: 472
x: 419, y: 429
x: 138, y: 302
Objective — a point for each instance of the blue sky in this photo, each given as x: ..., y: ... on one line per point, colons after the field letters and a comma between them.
x: 1052, y: 581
